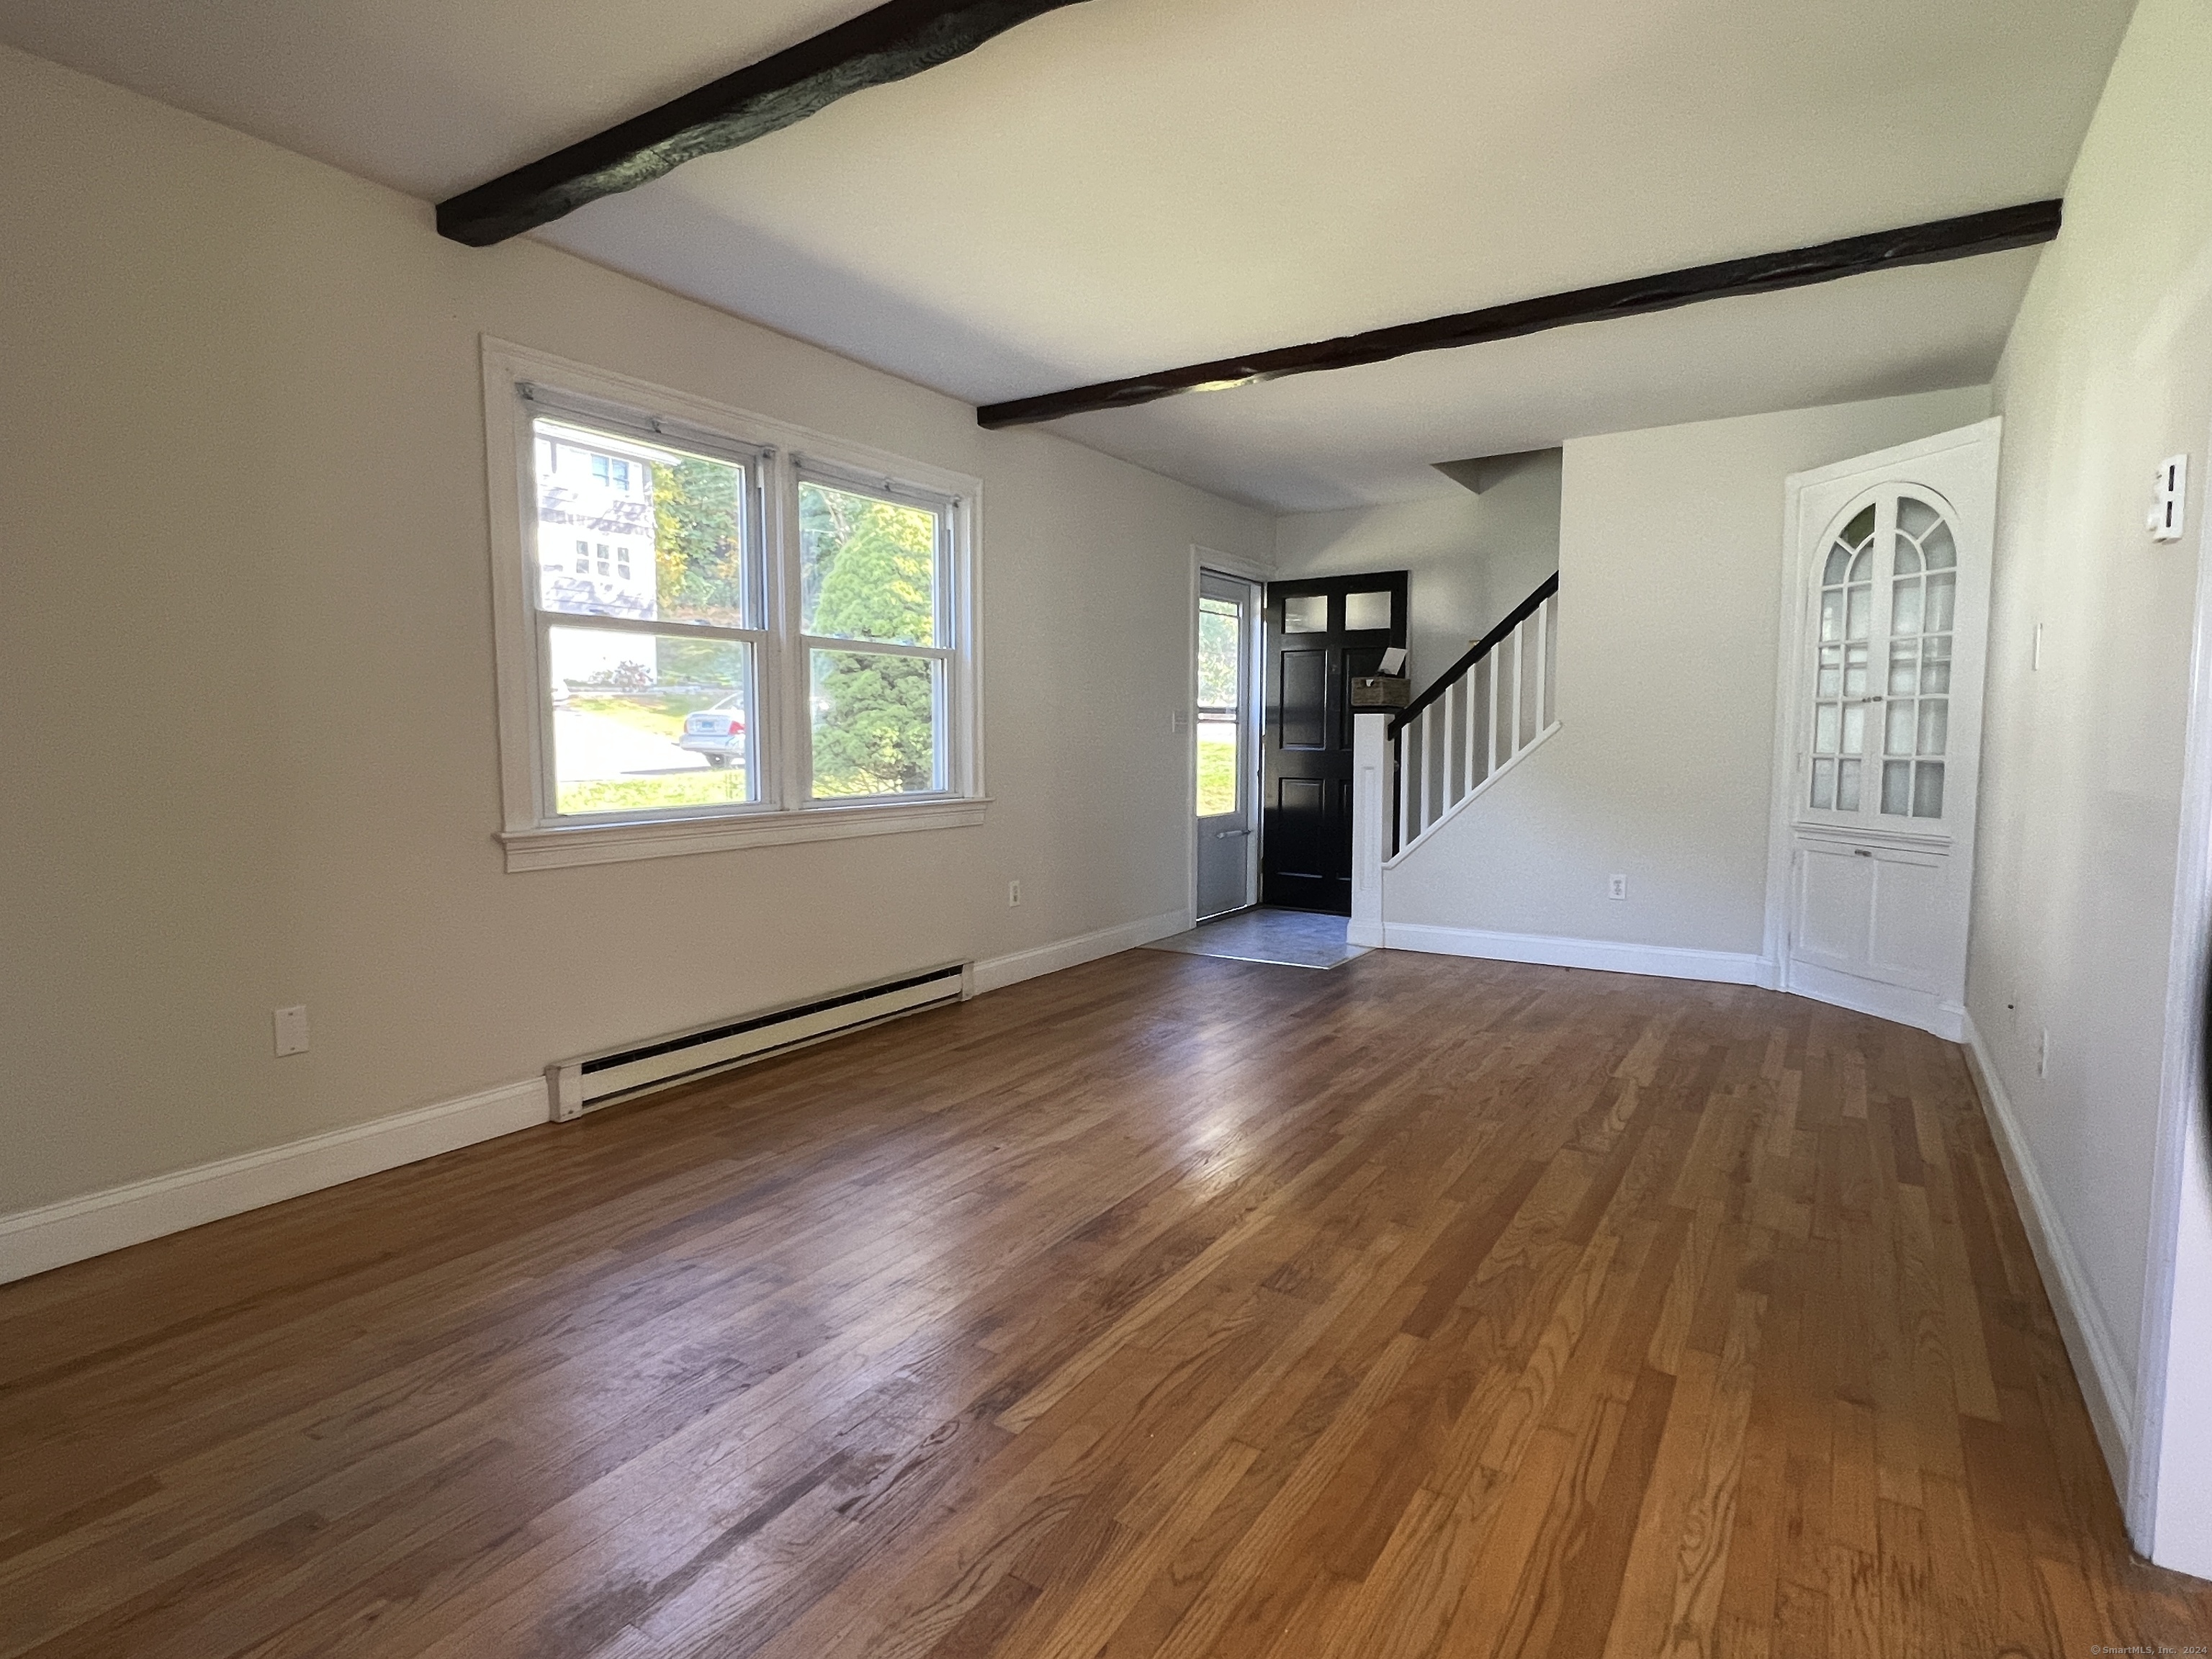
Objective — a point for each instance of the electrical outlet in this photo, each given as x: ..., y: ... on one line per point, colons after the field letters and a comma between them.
x: 2043, y: 1052
x: 1013, y: 895
x: 1616, y: 887
x: 291, y: 1031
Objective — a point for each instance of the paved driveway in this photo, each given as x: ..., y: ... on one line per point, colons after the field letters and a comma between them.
x: 589, y: 745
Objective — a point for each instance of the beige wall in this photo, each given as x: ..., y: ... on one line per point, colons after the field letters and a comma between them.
x: 1670, y: 579
x: 2109, y: 369
x: 1471, y: 558
x: 249, y: 748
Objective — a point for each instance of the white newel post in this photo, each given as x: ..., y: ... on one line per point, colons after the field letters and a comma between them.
x: 1370, y: 822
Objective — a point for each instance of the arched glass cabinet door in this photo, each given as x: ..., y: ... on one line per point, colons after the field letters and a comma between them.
x: 1884, y: 605
x: 1842, y: 687
x: 1924, y: 594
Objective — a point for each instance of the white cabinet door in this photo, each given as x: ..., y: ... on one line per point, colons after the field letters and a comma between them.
x: 1876, y: 779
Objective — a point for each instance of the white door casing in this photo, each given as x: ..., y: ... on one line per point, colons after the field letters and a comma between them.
x: 1878, y: 741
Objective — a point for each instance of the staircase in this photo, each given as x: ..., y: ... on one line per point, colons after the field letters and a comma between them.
x: 1415, y: 772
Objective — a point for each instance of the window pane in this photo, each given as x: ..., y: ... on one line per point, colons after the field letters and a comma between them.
x: 1366, y: 613
x: 1217, y: 765
x: 1855, y: 728
x: 1305, y: 613
x: 1903, y: 669
x: 1942, y: 591
x: 1915, y: 518
x: 643, y: 722
x: 1832, y: 672
x: 1847, y: 786
x: 1898, y: 741
x: 657, y: 535
x: 1936, y: 654
x: 1839, y: 561
x: 1928, y: 790
x: 1860, y: 623
x: 1827, y: 724
x: 1941, y: 554
x: 1904, y: 607
x: 1823, y: 785
x: 868, y: 567
x: 1897, y: 787
x: 875, y: 723
x: 1219, y: 625
x: 1832, y: 614
x: 1935, y: 725
x: 1855, y: 671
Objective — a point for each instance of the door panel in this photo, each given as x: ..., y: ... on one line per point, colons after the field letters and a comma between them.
x: 1908, y: 928
x: 1305, y: 699
x: 1320, y: 631
x: 1835, y: 906
x: 1297, y: 833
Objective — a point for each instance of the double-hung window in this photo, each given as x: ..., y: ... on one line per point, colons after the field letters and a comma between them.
x: 716, y: 629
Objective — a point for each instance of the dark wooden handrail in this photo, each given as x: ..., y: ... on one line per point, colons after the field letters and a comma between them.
x: 1475, y: 652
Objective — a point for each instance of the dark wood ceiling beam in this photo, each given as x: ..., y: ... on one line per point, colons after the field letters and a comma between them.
x: 1765, y: 273
x: 890, y: 42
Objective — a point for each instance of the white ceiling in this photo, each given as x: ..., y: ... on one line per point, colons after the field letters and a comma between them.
x: 1127, y: 185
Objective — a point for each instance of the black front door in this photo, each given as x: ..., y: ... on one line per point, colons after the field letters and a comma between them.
x: 1321, y: 632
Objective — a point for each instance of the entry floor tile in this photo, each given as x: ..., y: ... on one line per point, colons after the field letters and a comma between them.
x: 1296, y: 938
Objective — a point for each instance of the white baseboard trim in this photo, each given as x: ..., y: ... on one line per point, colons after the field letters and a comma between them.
x: 994, y: 973
x: 1608, y: 956
x: 2105, y: 1385
x: 54, y: 1235
x: 1922, y: 1010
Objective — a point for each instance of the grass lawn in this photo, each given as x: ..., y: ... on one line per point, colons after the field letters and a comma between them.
x: 701, y: 788
x: 662, y: 714
x: 1217, y: 770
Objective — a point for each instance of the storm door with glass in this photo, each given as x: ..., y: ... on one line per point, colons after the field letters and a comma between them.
x: 1226, y: 733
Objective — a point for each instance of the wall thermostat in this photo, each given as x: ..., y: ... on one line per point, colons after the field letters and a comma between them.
x: 2167, y: 503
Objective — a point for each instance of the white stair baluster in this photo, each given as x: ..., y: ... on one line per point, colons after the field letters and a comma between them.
x: 1520, y: 634
x: 1543, y: 615
x: 1405, y: 786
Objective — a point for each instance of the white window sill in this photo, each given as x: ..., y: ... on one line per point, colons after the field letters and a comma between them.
x: 570, y: 844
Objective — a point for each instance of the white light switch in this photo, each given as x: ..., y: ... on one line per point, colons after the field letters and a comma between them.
x: 2166, y: 511
x: 291, y: 1031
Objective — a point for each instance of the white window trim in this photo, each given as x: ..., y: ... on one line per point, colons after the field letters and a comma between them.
x: 531, y: 836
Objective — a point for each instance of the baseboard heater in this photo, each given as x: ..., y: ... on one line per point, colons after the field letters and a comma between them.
x: 580, y: 1086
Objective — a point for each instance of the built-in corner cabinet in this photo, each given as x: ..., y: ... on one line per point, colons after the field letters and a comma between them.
x: 1877, y: 758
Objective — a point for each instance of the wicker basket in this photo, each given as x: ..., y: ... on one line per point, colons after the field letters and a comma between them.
x: 1381, y: 691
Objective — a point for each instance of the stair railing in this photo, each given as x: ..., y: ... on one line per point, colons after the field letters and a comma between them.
x: 1484, y: 713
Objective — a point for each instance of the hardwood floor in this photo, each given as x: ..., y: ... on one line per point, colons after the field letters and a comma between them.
x: 1169, y: 1306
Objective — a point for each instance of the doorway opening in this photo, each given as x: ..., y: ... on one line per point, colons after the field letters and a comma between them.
x: 1322, y: 632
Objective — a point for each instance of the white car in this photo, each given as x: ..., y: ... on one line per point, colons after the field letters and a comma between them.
x: 717, y: 732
